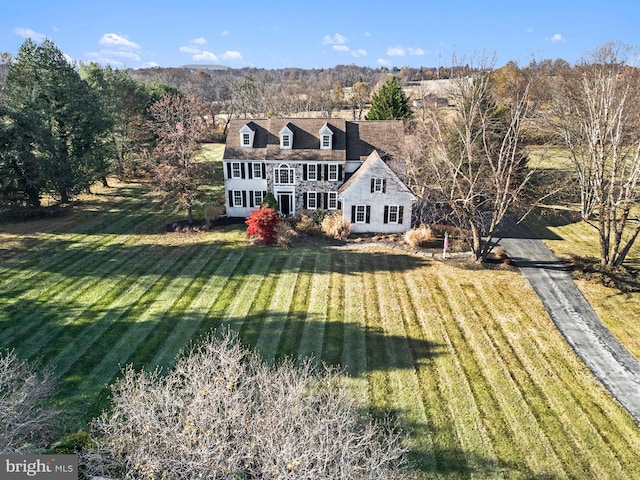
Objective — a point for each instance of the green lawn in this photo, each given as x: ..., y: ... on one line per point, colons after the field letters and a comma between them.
x: 467, y: 359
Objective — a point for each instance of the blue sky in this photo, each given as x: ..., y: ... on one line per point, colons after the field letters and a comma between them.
x: 317, y: 34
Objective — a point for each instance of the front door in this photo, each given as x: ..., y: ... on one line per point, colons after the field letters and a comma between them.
x: 285, y: 201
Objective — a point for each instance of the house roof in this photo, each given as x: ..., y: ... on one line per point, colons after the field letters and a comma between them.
x: 371, y: 161
x: 350, y: 141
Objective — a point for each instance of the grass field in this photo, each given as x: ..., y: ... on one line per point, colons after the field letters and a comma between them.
x: 468, y: 359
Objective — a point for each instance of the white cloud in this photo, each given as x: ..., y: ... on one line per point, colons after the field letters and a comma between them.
x: 361, y: 52
x: 556, y: 38
x: 367, y: 34
x: 115, y: 40
x: 529, y: 30
x: 150, y: 65
x: 383, y: 62
x: 341, y: 48
x: 206, y: 56
x: 121, y: 54
x: 415, y: 51
x: 397, y: 51
x: 190, y: 49
x: 337, y: 39
x: 226, y: 33
x: 28, y: 33
x: 231, y: 55
x: 199, y: 41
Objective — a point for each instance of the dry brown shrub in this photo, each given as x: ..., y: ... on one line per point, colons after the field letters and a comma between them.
x: 418, y: 237
x: 213, y: 212
x: 334, y: 226
x: 284, y: 234
x: 222, y: 412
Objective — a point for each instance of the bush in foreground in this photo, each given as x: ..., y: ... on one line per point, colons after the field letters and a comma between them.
x: 334, y: 226
x: 262, y: 223
x: 24, y: 423
x: 222, y: 412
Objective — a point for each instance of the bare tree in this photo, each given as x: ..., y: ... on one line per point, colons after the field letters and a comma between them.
x: 596, y: 110
x: 24, y: 422
x: 224, y: 413
x: 470, y: 158
x: 180, y: 123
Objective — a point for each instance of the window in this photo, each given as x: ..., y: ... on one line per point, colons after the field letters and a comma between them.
x: 312, y: 171
x: 361, y: 213
x: 326, y: 137
x: 378, y: 185
x: 286, y: 138
x: 258, y: 197
x: 393, y: 213
x: 332, y: 201
x: 284, y: 175
x: 246, y: 136
x: 236, y: 170
x: 333, y: 173
x: 312, y: 200
x: 237, y: 198
x: 257, y: 170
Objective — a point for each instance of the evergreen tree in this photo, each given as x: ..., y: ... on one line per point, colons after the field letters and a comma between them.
x: 43, y: 85
x: 389, y: 103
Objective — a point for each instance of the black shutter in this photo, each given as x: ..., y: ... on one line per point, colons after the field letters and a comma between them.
x: 400, y: 212
x: 264, y: 170
x: 386, y: 214
x: 373, y: 183
x: 231, y: 198
x: 325, y: 203
x: 340, y: 172
x: 368, y: 219
x: 319, y: 200
x: 250, y: 172
x: 326, y: 172
x: 339, y: 205
x: 229, y: 170
x: 384, y: 185
x: 304, y: 171
x: 304, y: 200
x: 251, y: 199
x: 318, y: 172
x: 353, y: 214
x: 244, y: 198
x: 242, y: 174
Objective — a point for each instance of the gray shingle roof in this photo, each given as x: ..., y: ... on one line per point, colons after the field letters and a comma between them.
x: 351, y: 140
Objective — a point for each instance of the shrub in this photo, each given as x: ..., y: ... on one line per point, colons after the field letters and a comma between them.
x: 269, y: 201
x: 213, y: 212
x: 262, y: 223
x: 222, y: 412
x: 418, y: 237
x: 304, y: 222
x: 24, y: 423
x: 335, y: 226
x: 284, y: 234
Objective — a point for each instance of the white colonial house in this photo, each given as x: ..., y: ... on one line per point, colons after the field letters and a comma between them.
x: 312, y: 163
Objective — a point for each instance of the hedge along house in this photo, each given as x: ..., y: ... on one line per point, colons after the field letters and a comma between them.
x: 313, y: 163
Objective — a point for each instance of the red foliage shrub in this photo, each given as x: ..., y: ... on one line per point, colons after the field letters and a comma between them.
x: 262, y: 222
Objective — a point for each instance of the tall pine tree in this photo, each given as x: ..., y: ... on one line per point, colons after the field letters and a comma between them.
x: 389, y: 103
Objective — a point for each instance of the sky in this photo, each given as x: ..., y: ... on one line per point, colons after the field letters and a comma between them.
x: 320, y: 33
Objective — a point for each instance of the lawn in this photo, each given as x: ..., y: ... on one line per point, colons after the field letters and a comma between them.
x: 467, y: 359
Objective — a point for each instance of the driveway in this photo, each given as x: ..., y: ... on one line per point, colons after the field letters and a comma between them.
x: 610, y: 362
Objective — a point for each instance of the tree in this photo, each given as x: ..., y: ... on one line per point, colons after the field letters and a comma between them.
x: 389, y: 103
x: 470, y: 158
x: 180, y: 124
x: 42, y: 84
x: 222, y: 412
x: 358, y: 96
x: 262, y: 222
x: 24, y: 423
x: 597, y: 119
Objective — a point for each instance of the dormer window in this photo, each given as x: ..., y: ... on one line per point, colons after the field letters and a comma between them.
x: 326, y: 138
x: 246, y: 136
x: 286, y: 138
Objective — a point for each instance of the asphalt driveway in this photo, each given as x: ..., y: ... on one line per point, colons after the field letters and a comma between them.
x: 610, y: 362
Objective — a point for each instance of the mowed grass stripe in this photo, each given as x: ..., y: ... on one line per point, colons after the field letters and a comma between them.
x: 312, y: 336
x: 582, y: 435
x: 278, y: 310
x: 205, y: 294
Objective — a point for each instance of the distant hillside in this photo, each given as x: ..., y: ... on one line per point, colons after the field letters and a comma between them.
x: 196, y: 67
